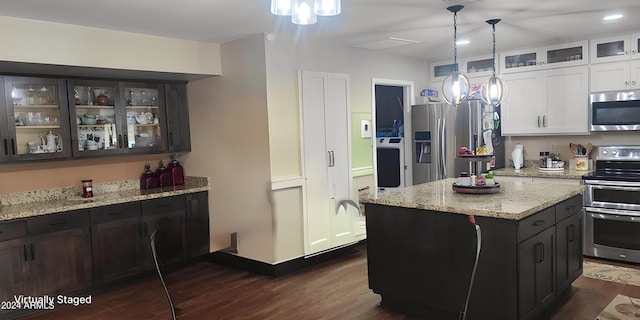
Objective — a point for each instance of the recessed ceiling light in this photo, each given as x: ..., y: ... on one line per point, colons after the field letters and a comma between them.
x: 612, y: 17
x: 462, y: 42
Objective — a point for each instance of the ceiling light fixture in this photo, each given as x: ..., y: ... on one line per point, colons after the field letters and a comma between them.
x: 612, y: 17
x: 494, y: 91
x: 455, y: 88
x: 462, y: 42
x: 305, y: 12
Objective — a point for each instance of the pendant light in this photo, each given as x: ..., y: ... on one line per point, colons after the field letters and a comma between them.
x: 494, y: 91
x: 302, y: 12
x: 455, y: 88
x: 305, y: 12
x: 327, y: 7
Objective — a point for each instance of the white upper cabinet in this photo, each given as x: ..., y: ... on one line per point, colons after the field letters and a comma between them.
x: 617, y: 48
x: 562, y: 55
x: 472, y: 67
x: 615, y: 76
x: 546, y: 102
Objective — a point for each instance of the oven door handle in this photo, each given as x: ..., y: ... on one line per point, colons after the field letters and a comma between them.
x: 613, y: 185
x: 612, y: 214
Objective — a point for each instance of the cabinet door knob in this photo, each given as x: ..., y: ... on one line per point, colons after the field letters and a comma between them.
x: 633, y: 83
x: 626, y: 83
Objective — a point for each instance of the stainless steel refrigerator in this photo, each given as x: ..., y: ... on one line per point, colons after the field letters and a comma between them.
x: 439, y: 130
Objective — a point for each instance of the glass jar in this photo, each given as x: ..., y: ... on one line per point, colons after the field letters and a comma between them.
x: 87, y: 188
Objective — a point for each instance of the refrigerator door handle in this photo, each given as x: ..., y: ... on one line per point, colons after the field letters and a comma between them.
x: 443, y: 138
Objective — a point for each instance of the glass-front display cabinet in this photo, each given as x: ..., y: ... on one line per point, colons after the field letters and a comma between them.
x: 616, y: 48
x: 144, y: 111
x: 37, y: 118
x: 116, y: 117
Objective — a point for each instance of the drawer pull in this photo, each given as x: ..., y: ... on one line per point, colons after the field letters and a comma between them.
x: 569, y: 208
x: 539, y: 252
x: 538, y: 223
x: 115, y: 213
x: 59, y: 222
x: 164, y: 205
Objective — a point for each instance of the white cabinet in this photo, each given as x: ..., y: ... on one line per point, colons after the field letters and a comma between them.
x: 472, y: 67
x: 617, y: 48
x: 556, y: 56
x: 329, y: 209
x: 614, y: 76
x: 546, y: 102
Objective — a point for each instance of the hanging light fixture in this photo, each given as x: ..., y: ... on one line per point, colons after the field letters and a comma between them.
x: 494, y: 91
x: 455, y: 88
x: 305, y: 12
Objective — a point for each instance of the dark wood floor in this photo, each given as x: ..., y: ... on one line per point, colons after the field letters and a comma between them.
x: 335, y: 289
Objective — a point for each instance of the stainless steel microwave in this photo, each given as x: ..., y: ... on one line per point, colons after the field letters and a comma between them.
x: 614, y: 111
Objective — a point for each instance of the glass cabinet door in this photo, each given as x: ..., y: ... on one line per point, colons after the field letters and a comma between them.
x: 38, y: 118
x: 95, y: 122
x: 144, y: 111
x: 610, y: 49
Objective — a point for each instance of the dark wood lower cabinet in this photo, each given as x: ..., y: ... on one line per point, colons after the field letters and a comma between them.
x: 61, y: 262
x: 420, y: 261
x: 116, y: 235
x: 536, y: 274
x: 170, y: 240
x: 12, y: 264
x: 198, y: 224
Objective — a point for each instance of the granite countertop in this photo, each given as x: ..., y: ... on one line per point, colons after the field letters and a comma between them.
x: 41, y: 202
x: 533, y: 172
x: 515, y: 201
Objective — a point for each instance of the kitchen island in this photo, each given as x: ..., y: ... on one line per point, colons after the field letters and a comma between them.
x: 421, y: 249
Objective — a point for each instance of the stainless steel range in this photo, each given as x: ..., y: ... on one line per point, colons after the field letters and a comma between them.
x: 612, y: 204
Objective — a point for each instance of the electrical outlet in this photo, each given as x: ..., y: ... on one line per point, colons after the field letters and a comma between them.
x: 552, y: 146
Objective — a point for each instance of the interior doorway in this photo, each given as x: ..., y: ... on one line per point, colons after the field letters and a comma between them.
x: 391, y: 102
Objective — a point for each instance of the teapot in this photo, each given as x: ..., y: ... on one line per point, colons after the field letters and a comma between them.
x: 144, y: 118
x: 50, y: 145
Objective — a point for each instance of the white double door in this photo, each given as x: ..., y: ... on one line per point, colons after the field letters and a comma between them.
x: 329, y: 217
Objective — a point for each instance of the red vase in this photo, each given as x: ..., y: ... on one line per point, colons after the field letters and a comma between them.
x: 176, y: 171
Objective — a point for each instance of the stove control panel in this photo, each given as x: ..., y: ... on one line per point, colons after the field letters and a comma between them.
x: 620, y: 153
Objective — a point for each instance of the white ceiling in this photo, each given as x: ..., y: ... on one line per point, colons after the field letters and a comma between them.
x: 525, y: 23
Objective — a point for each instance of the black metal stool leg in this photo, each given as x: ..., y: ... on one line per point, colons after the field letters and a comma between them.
x: 155, y: 259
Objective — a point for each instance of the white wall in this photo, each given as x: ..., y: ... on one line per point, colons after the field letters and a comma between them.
x: 534, y: 145
x: 70, y: 45
x: 229, y: 139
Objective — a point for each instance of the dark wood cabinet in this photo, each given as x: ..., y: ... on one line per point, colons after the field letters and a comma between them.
x: 34, y: 119
x: 117, y: 242
x: 59, y: 251
x: 50, y: 117
x: 420, y: 261
x: 569, y: 250
x: 178, y: 133
x: 536, y: 273
x: 166, y: 217
x: 198, y: 224
x: 13, y: 247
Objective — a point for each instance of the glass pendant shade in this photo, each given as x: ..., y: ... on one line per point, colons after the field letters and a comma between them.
x: 494, y: 91
x: 281, y: 7
x: 302, y: 12
x: 455, y: 88
x: 327, y: 7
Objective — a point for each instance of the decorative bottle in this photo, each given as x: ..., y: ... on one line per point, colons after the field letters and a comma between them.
x: 163, y: 175
x: 148, y: 180
x: 176, y: 171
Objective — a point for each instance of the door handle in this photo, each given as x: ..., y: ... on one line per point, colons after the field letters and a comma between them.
x: 13, y: 146
x: 333, y: 159
x: 125, y: 141
x: 33, y: 255
x: 24, y: 250
x: 119, y: 141
x: 6, y: 147
x: 572, y: 232
x: 538, y: 121
x: 539, y: 252
x: 170, y: 138
x: 544, y: 121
